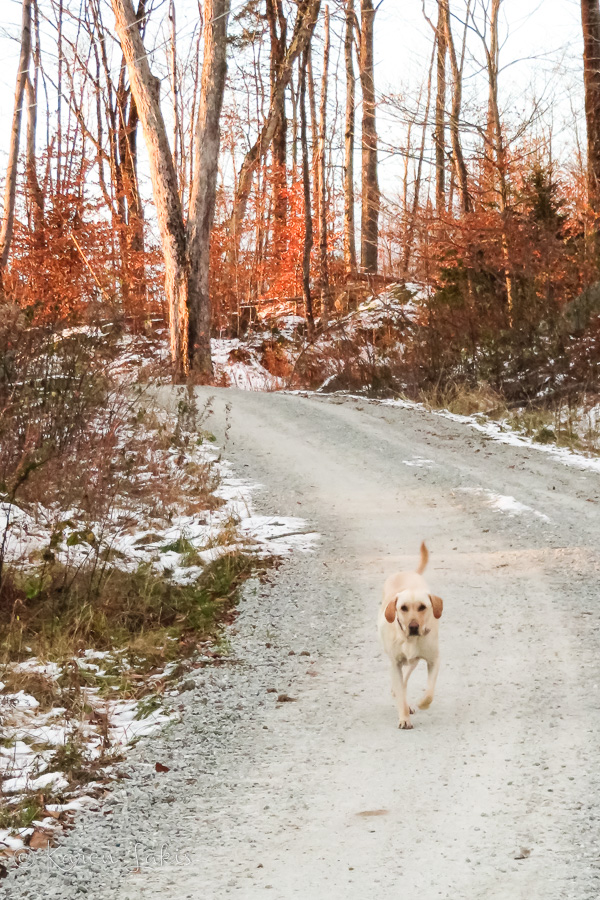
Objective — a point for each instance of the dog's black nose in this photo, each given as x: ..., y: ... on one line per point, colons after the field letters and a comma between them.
x: 413, y: 629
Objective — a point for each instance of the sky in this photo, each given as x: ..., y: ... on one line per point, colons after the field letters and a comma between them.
x: 541, y: 53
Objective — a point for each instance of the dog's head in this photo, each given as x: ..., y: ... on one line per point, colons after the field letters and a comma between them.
x: 414, y: 611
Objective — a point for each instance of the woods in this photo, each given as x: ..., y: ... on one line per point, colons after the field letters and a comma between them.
x: 213, y: 167
x: 389, y: 213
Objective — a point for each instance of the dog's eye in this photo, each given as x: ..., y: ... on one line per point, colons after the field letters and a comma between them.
x: 422, y: 607
x: 404, y: 607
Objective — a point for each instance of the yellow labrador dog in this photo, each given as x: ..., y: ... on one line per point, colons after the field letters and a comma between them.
x: 408, y: 628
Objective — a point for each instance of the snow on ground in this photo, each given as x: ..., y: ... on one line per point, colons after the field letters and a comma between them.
x: 501, y: 431
x: 29, y: 532
x: 505, y: 503
x: 419, y: 462
x: 396, y: 304
x: 237, y: 363
x: 31, y: 737
x: 497, y: 430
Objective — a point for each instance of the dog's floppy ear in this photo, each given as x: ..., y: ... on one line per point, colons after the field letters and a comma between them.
x: 437, y: 605
x: 390, y: 610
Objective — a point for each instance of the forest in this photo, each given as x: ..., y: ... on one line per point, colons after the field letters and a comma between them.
x: 218, y: 169
x: 279, y: 196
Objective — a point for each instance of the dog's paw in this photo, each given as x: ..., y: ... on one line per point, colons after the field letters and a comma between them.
x: 411, y: 710
x: 405, y: 724
x: 425, y: 701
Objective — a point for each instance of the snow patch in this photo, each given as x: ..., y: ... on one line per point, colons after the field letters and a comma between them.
x: 505, y: 503
x: 497, y: 430
x: 419, y: 462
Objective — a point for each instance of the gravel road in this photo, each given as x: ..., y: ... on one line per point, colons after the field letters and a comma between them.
x: 493, y: 794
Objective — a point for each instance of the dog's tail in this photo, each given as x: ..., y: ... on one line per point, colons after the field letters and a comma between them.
x: 424, y: 559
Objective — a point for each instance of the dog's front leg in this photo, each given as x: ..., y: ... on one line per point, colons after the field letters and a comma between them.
x: 433, y: 667
x: 409, y: 668
x: 399, y: 690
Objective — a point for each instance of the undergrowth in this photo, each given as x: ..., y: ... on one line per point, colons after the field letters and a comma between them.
x: 141, y: 611
x: 87, y: 460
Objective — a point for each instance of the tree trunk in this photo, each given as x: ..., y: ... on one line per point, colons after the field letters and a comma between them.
x: 164, y: 181
x: 497, y: 146
x: 135, y: 212
x: 370, y: 186
x: 322, y: 188
x: 349, y: 235
x: 36, y: 195
x: 457, y: 153
x: 410, y: 231
x: 440, y: 112
x: 278, y: 34
x: 308, y: 231
x: 35, y: 192
x: 178, y: 155
x: 314, y: 131
x: 306, y: 17
x: 202, y: 199
x: 10, y: 188
x: 295, y: 93
x: 590, y: 21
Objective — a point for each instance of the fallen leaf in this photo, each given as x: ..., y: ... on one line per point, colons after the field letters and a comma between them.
x: 40, y: 838
x: 53, y: 813
x: 285, y: 698
x: 373, y: 812
x: 160, y: 768
x: 523, y: 853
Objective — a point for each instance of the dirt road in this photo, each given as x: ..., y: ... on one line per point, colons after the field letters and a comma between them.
x: 494, y: 794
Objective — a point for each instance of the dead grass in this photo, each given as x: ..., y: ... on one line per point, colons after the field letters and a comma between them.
x: 146, y: 622
x: 45, y: 689
x: 573, y: 424
x: 561, y: 424
x: 464, y: 400
x: 140, y: 611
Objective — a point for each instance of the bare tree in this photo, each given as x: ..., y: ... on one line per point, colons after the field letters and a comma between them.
x: 10, y: 189
x: 178, y: 155
x: 185, y: 251
x: 590, y: 21
x: 456, y: 65
x: 35, y: 193
x: 370, y: 184
x: 306, y: 17
x: 308, y: 231
x: 278, y: 35
x: 145, y: 89
x: 495, y: 137
x: 409, y: 238
x: 115, y: 108
x: 349, y: 230
x: 204, y: 186
x: 322, y: 181
x: 440, y: 109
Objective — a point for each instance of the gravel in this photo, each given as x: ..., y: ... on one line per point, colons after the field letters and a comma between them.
x: 494, y: 794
